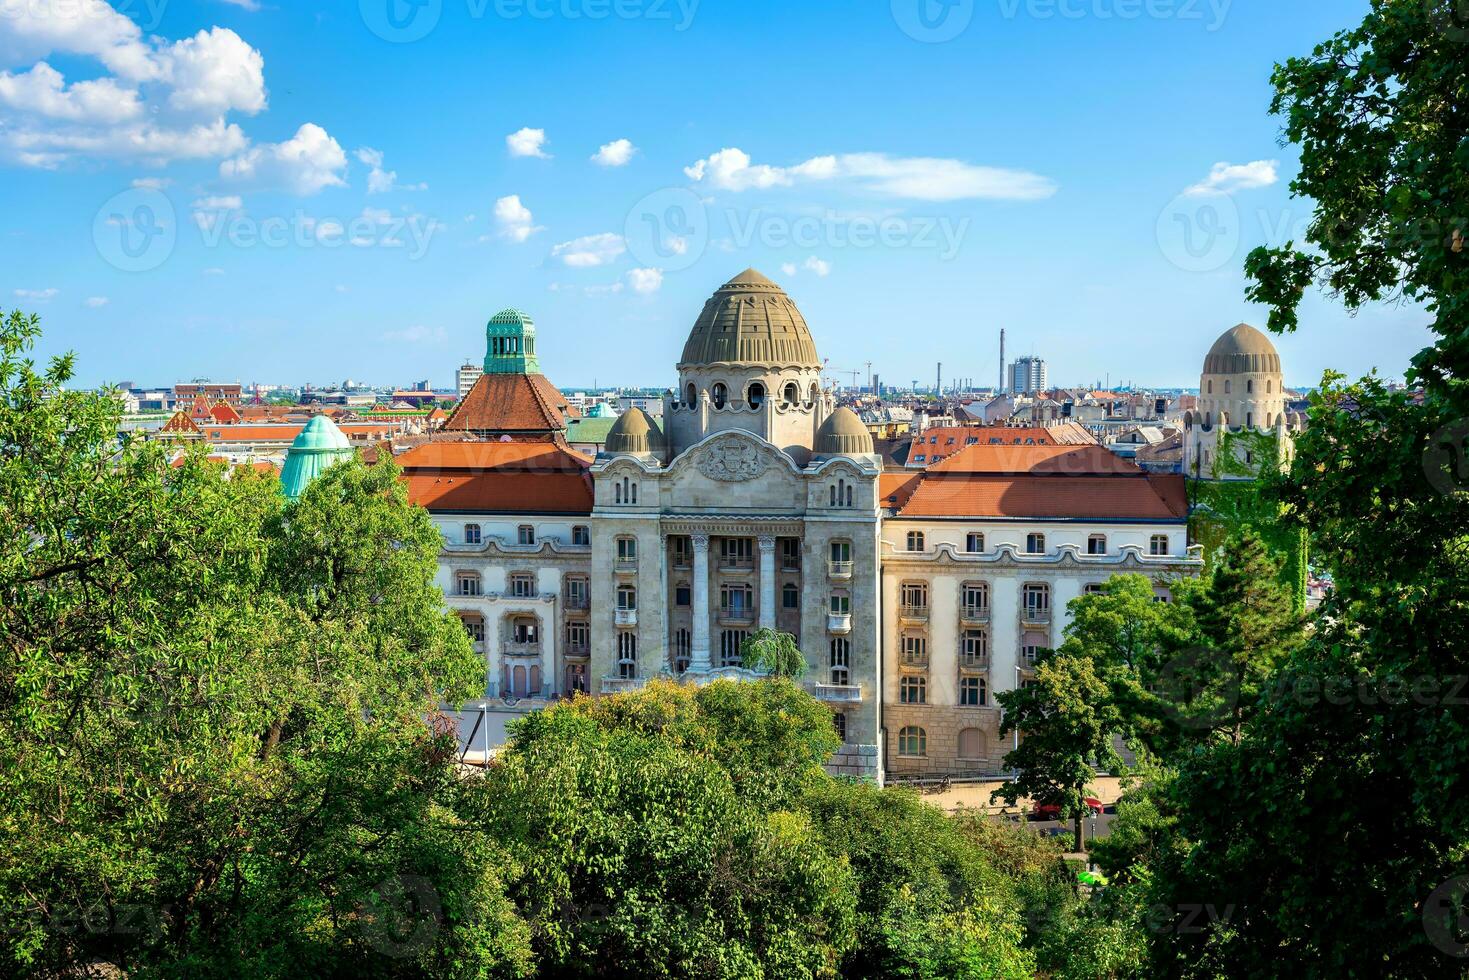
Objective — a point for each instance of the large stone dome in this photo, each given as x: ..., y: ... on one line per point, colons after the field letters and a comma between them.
x: 750, y: 321
x: 633, y: 432
x: 1242, y: 350
x: 843, y: 434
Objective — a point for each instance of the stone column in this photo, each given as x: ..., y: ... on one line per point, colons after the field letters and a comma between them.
x: 767, y: 581
x: 699, y: 652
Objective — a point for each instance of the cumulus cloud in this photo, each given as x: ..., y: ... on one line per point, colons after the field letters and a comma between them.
x: 380, y: 180
x: 306, y: 163
x: 614, y: 154
x: 44, y: 92
x: 645, y: 280
x: 590, y: 250
x: 37, y: 295
x: 818, y: 266
x: 917, y: 178
x: 151, y: 183
x: 1226, y: 178
x: 514, y: 218
x: 96, y: 302
x: 214, y: 71
x: 527, y: 142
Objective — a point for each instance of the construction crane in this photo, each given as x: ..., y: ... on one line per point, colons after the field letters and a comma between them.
x: 856, y: 374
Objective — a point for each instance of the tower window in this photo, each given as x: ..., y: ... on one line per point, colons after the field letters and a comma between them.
x: 792, y: 394
x: 720, y: 394
x: 755, y: 395
x: 691, y: 395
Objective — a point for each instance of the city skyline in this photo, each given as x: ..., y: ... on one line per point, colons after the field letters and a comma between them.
x: 197, y: 189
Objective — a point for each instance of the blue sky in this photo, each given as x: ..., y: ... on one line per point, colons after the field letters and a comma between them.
x: 257, y: 190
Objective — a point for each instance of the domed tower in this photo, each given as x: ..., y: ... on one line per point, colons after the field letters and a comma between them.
x: 510, y: 344
x: 750, y: 364
x: 318, y: 446
x: 634, y: 434
x: 842, y: 434
x: 1242, y: 389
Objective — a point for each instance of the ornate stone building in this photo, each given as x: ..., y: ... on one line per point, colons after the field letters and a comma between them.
x: 760, y: 503
x: 1241, y: 390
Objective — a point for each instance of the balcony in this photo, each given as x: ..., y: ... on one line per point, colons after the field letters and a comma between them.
x: 625, y: 565
x: 1037, y: 616
x: 848, y: 693
x: 913, y: 614
x: 918, y: 661
x: 974, y: 615
x: 735, y: 566
x: 617, y: 685
x: 578, y: 651
x: 790, y: 564
x: 577, y: 602
x: 974, y: 661
x: 839, y: 622
x: 738, y: 616
x: 839, y: 570
x: 521, y: 648
x: 625, y: 617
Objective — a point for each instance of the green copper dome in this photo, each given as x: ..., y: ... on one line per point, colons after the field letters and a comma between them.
x: 510, y: 344
x: 317, y: 447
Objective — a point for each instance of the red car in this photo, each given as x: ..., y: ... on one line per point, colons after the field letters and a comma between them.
x: 1052, y: 811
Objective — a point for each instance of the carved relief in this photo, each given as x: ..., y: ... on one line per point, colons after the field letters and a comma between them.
x: 731, y: 461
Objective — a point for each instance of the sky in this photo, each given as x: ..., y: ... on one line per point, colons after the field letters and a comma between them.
x: 307, y: 192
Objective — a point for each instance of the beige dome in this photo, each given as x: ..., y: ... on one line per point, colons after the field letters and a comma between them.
x: 1242, y: 350
x: 843, y: 434
x: 634, y: 432
x: 750, y: 320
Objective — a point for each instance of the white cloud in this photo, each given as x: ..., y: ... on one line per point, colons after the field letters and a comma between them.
x: 789, y: 268
x: 417, y: 334
x: 380, y: 180
x: 818, y: 266
x: 514, y: 218
x: 590, y: 250
x: 645, y: 280
x: 43, y: 92
x: 304, y: 164
x: 251, y: 5
x: 152, y: 183
x: 37, y: 295
x: 215, y: 71
x: 214, y: 270
x: 96, y: 302
x: 527, y: 142
x: 918, y: 178
x: 1226, y: 178
x: 219, y: 202
x: 163, y: 101
x: 614, y: 154
x: 342, y: 289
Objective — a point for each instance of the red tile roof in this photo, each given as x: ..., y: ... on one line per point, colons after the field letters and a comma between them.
x: 984, y: 458
x: 498, y: 477
x: 894, y: 489
x: 511, y: 403
x: 1037, y: 497
x: 224, y: 413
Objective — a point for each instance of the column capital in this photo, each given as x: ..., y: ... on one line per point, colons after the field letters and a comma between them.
x: 767, y: 542
x: 699, y: 540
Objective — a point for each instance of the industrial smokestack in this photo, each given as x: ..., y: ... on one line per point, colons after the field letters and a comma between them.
x: 1002, y: 360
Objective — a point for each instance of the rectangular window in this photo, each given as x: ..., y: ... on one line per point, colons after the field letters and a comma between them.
x: 471, y: 534
x: 915, y: 649
x: 976, y: 598
x: 841, y: 604
x: 578, y: 638
x: 736, y: 600
x: 476, y: 629
x: 581, y: 535
x: 915, y: 541
x: 522, y: 586
x: 737, y: 551
x: 841, y: 661
x: 627, y: 549
x: 974, y: 543
x: 1158, y: 545
x: 1037, y: 598
x: 681, y: 595
x: 468, y: 584
x: 790, y: 554
x: 627, y: 597
x: 915, y: 595
x: 841, y: 551
x: 1035, y: 544
x: 683, y: 552
x: 1096, y: 544
x: 525, y: 534
x: 974, y: 649
x: 971, y: 692
x: 577, y: 593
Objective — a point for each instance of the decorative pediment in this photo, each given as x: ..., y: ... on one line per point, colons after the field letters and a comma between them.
x: 731, y: 459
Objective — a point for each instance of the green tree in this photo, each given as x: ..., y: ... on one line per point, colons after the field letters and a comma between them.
x: 1069, y: 723
x: 213, y: 756
x: 774, y: 653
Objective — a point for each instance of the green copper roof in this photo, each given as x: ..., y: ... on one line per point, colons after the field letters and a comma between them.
x: 600, y: 411
x: 317, y: 447
x: 510, y: 344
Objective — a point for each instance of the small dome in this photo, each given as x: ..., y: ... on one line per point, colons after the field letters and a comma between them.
x: 511, y: 318
x: 633, y: 433
x: 843, y: 434
x: 318, y: 446
x: 1242, y: 350
x: 750, y: 320
x: 600, y: 411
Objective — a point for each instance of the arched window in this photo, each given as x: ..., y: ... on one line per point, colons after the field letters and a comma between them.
x: 971, y: 744
x: 1209, y: 386
x: 720, y: 394
x: 1249, y: 386
x: 1249, y: 420
x: 815, y: 392
x: 848, y: 501
x: 627, y: 655
x: 833, y: 496
x: 792, y: 393
x: 1269, y: 387
x: 912, y: 741
x: 1227, y: 385
x: 755, y: 395
x: 691, y: 395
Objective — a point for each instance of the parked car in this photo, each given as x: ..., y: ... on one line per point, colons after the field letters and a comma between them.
x: 1052, y: 811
